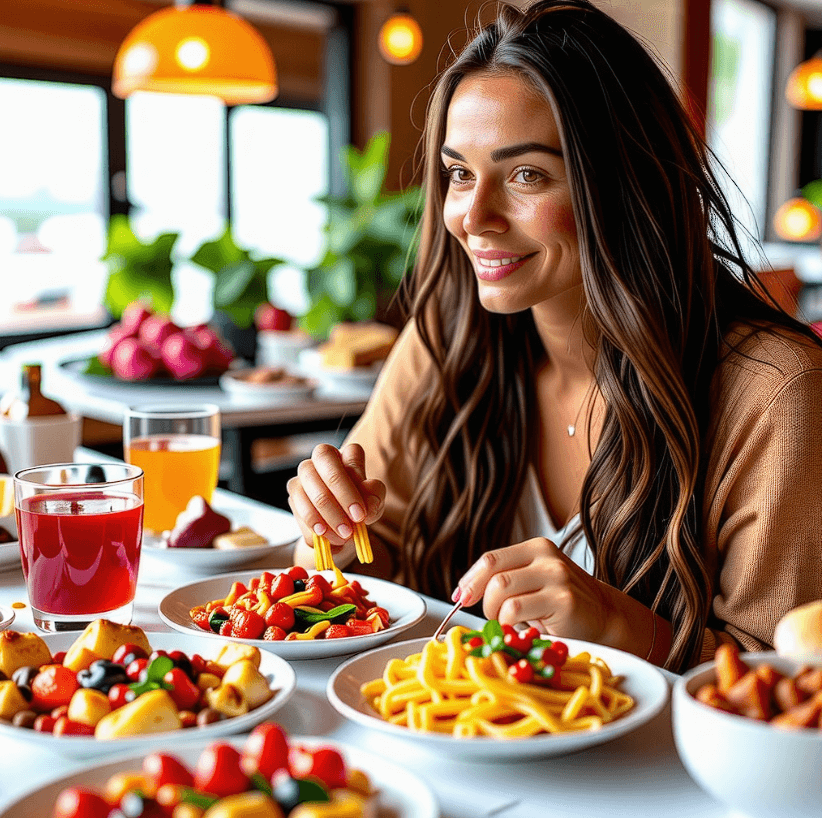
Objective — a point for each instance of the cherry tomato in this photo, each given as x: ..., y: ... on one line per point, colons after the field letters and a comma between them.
x: 529, y: 634
x: 281, y: 615
x: 58, y: 657
x: 282, y: 586
x: 65, y: 727
x: 199, y: 616
x: 266, y: 578
x: 476, y: 642
x: 218, y: 771
x: 119, y: 695
x: 62, y: 710
x: 265, y: 751
x: 78, y: 802
x: 198, y: 664
x: 324, y: 763
x: 254, y: 584
x: 509, y: 630
x: 359, y: 628
x: 337, y: 632
x: 135, y: 668
x: 551, y: 657
x: 297, y: 572
x: 226, y: 629
x: 126, y: 654
x: 274, y: 634
x: 513, y: 640
x: 561, y: 650
x: 184, y: 692
x: 44, y: 723
x: 522, y: 671
x: 162, y: 769
x: 246, y: 624
x: 53, y: 686
x: 318, y: 581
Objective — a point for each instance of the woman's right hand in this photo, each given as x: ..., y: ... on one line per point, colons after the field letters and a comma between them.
x: 331, y: 492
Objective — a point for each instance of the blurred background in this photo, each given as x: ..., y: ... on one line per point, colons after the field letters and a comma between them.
x: 288, y: 177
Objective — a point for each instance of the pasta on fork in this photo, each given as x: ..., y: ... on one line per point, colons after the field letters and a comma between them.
x: 446, y: 689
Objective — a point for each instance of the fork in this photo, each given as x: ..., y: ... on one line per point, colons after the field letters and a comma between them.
x: 448, y: 617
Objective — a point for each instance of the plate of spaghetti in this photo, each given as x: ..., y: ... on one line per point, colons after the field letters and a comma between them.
x: 295, y: 613
x: 485, y: 695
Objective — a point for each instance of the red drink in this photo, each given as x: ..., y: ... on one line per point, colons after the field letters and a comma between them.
x: 80, y: 551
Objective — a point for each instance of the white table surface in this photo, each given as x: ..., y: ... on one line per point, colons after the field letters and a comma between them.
x: 106, y: 400
x: 635, y: 776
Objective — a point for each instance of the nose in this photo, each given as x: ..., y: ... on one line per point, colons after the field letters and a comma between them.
x: 485, y: 212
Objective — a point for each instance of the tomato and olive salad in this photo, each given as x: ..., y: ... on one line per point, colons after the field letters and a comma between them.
x: 292, y: 605
x: 269, y: 776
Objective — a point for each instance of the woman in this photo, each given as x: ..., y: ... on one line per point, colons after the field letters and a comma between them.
x: 591, y: 422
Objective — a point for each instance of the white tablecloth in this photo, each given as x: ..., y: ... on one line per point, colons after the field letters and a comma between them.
x: 635, y: 776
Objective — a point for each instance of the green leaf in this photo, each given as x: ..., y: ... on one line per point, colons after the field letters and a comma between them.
x: 306, y: 619
x: 259, y: 782
x: 219, y: 253
x: 467, y: 637
x: 323, y: 315
x: 364, y: 307
x: 341, y: 282
x: 813, y: 192
x: 367, y: 179
x: 188, y: 795
x: 231, y: 282
x: 492, y: 631
x: 95, y: 367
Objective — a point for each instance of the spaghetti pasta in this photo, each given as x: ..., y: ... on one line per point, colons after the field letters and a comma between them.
x: 446, y: 689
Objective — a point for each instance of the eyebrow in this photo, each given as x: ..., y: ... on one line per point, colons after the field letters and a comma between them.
x: 510, y: 152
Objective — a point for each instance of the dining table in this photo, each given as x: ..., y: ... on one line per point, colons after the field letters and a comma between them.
x: 332, y: 409
x: 635, y: 775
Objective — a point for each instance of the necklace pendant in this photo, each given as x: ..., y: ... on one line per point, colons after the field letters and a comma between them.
x: 571, y: 430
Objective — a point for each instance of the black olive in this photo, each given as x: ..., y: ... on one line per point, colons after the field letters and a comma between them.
x: 102, y: 675
x: 299, y: 585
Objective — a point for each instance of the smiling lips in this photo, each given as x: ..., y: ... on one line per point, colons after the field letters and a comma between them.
x: 493, y: 265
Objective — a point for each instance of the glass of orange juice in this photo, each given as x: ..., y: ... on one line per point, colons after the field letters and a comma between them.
x: 178, y: 449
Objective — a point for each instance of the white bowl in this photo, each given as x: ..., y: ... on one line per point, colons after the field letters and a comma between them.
x: 280, y: 348
x: 756, y: 769
x: 641, y: 680
x: 279, y: 673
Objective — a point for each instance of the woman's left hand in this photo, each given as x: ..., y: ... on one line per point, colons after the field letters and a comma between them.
x: 534, y: 582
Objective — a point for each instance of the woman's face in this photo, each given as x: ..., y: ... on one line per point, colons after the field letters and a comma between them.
x: 508, y: 201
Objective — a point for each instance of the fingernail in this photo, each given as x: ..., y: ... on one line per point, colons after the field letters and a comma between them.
x: 320, y: 529
x: 356, y: 512
x: 344, y: 531
x: 373, y: 505
x: 455, y: 597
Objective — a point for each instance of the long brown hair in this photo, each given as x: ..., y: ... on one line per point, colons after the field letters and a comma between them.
x: 664, y: 275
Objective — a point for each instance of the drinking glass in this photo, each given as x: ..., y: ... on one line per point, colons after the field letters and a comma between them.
x: 80, y: 528
x: 178, y: 448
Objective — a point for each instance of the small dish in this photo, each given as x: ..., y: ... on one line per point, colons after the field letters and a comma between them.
x: 279, y: 673
x: 401, y: 793
x: 9, y: 551
x: 277, y: 525
x: 641, y: 680
x: 273, y: 393
x: 405, y: 608
x: 7, y: 616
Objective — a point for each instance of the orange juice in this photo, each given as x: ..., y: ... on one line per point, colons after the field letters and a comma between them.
x: 177, y: 467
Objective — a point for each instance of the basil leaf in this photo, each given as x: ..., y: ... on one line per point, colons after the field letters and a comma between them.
x: 491, y: 630
x: 466, y: 637
x: 158, y: 668
x: 261, y: 784
x: 198, y: 799
x: 305, y: 619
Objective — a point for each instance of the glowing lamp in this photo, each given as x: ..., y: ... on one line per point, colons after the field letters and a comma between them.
x: 400, y: 39
x: 804, y: 86
x: 798, y: 220
x: 196, y: 49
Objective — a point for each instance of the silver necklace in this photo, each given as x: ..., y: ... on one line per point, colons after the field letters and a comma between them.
x: 572, y: 427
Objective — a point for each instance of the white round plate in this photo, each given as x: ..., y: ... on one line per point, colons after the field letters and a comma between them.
x: 273, y: 394
x: 280, y: 534
x: 9, y: 551
x: 278, y: 672
x: 401, y: 793
x: 356, y: 382
x: 405, y: 608
x: 6, y: 617
x: 644, y: 682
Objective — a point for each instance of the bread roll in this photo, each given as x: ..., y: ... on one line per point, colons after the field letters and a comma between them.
x: 799, y: 633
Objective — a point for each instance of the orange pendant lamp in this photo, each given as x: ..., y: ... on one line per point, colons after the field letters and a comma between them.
x: 798, y: 220
x: 400, y: 38
x: 199, y: 48
x: 804, y: 87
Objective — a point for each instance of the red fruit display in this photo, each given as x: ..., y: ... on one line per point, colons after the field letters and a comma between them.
x: 133, y: 317
x: 182, y: 357
x: 155, y: 329
x: 269, y: 317
x: 132, y: 360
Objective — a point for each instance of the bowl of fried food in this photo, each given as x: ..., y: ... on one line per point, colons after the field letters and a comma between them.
x: 747, y: 728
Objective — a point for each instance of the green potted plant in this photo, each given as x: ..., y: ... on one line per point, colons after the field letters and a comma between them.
x: 240, y: 286
x: 138, y: 271
x: 370, y: 236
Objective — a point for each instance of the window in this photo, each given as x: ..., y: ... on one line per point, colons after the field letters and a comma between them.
x: 53, y: 191
x: 739, y: 104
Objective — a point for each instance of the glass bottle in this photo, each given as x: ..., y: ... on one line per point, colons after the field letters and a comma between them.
x: 29, y: 402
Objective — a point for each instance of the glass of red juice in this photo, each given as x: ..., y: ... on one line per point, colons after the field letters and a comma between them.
x: 80, y: 528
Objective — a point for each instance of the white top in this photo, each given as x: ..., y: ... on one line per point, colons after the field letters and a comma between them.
x: 533, y: 520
